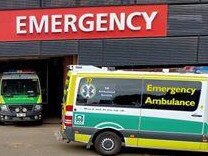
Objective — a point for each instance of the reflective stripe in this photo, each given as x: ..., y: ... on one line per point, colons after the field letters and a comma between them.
x: 69, y: 113
x: 68, y: 121
x: 68, y: 116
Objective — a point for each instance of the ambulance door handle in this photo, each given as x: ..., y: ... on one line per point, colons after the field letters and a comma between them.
x: 196, y: 115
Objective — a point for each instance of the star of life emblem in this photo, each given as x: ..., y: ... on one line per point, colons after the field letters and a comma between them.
x: 88, y: 91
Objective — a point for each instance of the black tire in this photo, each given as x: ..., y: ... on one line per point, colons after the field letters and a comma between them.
x: 40, y: 122
x: 2, y: 123
x: 108, y: 143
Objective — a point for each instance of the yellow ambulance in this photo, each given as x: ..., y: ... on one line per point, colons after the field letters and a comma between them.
x: 111, y: 109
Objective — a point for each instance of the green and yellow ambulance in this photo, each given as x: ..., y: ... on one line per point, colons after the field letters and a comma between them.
x: 111, y: 109
x: 20, y: 97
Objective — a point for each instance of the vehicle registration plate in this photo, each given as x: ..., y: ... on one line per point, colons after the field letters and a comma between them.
x: 21, y: 115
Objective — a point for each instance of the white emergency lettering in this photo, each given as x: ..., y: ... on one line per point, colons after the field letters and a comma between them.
x: 38, y: 27
x: 56, y: 21
x: 129, y: 21
x: 69, y: 21
x: 115, y: 20
x: 88, y: 22
x: 101, y: 19
x: 21, y: 24
x: 149, y: 19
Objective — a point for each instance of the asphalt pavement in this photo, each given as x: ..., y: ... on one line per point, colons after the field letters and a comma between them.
x: 40, y: 140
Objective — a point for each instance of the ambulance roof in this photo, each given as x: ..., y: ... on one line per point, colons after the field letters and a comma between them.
x: 87, y: 70
x: 8, y: 75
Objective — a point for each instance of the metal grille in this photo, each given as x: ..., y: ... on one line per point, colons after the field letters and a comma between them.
x: 13, y: 107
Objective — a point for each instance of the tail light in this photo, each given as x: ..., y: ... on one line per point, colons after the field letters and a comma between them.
x: 68, y: 116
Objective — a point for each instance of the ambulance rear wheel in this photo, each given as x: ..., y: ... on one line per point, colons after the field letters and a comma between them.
x: 108, y: 143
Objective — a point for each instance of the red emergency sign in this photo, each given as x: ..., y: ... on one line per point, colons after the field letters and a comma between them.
x: 84, y: 23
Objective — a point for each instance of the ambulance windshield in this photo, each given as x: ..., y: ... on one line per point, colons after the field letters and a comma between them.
x: 12, y: 87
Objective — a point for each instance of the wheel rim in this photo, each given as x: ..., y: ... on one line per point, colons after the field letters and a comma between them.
x: 107, y: 144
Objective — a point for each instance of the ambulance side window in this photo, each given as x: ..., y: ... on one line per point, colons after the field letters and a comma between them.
x: 171, y: 95
x: 110, y: 92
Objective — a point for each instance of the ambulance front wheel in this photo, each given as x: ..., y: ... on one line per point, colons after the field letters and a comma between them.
x: 108, y: 143
x: 2, y: 123
x: 39, y: 122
